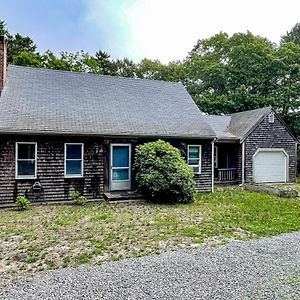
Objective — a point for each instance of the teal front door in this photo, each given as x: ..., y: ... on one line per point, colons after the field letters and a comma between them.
x: 120, y: 167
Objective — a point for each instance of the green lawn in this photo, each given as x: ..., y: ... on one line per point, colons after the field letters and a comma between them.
x: 53, y: 236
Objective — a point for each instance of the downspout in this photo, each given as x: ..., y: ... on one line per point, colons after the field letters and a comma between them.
x: 243, y: 164
x: 213, y: 164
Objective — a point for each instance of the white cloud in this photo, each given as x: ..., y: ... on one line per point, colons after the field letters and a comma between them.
x: 168, y: 29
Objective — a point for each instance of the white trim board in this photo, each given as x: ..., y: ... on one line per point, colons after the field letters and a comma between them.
x: 16, y: 161
x: 65, y: 161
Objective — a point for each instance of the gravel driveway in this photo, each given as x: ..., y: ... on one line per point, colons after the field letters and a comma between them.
x: 268, y: 268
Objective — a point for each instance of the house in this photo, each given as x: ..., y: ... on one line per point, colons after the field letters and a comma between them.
x: 67, y: 131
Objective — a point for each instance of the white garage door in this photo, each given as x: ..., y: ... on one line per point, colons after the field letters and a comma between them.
x: 269, y: 165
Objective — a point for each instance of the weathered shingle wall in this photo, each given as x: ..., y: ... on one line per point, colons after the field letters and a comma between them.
x: 50, y: 166
x: 50, y: 169
x: 270, y: 135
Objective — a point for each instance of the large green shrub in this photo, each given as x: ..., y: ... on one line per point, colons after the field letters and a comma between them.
x: 162, y: 174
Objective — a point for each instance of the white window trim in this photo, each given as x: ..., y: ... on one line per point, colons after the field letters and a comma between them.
x: 65, y: 161
x: 216, y: 153
x: 17, y: 159
x: 271, y: 117
x: 200, y: 158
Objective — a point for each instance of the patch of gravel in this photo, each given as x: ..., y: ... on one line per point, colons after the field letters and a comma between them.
x: 268, y: 268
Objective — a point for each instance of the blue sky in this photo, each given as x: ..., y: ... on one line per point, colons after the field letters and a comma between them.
x: 162, y: 29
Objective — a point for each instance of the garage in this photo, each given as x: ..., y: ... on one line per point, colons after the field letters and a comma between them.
x: 270, y: 165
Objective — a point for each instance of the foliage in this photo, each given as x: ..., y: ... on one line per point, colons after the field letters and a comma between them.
x: 28, y: 59
x: 293, y: 35
x: 77, y: 198
x: 3, y: 29
x: 162, y: 173
x: 16, y: 43
x: 22, y: 203
x: 228, y: 74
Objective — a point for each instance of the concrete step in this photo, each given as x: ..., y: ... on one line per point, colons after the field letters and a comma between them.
x: 122, y: 195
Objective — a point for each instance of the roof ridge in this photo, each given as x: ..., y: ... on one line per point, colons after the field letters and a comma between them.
x: 93, y: 74
x: 252, y: 110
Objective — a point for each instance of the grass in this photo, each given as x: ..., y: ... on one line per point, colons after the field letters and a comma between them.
x: 49, y: 237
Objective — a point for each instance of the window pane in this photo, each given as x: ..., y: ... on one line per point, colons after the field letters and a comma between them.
x: 73, y: 151
x: 26, y: 151
x: 195, y: 169
x: 120, y: 156
x: 73, y: 167
x: 194, y: 161
x: 121, y: 174
x: 193, y: 152
x: 26, y: 168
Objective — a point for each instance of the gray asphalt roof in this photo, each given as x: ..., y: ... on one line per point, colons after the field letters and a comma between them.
x: 48, y: 101
x: 237, y: 125
x: 220, y: 125
x: 242, y: 122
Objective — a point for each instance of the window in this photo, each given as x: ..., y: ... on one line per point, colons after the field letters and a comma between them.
x: 26, y: 154
x: 271, y: 117
x: 216, y: 157
x: 194, y: 158
x: 73, y: 160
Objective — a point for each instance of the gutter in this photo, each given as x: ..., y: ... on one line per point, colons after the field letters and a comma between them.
x: 213, y: 164
x: 125, y: 135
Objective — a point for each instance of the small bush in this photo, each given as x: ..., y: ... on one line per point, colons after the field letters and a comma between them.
x: 22, y: 203
x: 78, y: 199
x: 162, y: 173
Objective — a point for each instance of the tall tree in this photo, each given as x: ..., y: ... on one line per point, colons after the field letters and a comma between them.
x: 28, y: 59
x: 16, y: 43
x: 228, y: 74
x: 3, y: 29
x: 293, y: 35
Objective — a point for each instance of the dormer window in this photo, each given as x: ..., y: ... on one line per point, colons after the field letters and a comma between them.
x: 271, y: 117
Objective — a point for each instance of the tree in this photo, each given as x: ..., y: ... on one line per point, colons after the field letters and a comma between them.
x: 126, y: 68
x: 228, y: 74
x: 50, y: 61
x: 3, y: 30
x: 16, y: 44
x: 28, y: 59
x: 287, y: 90
x: 155, y: 70
x: 292, y: 36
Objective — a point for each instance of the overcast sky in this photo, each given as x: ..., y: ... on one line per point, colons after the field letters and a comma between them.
x: 156, y: 29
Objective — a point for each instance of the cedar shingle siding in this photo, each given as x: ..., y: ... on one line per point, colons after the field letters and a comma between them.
x: 50, y: 169
x: 50, y: 166
x: 270, y: 135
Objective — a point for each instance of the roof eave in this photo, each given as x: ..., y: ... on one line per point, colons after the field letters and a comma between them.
x: 105, y: 135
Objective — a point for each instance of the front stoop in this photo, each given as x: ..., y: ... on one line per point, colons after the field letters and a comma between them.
x: 122, y: 195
